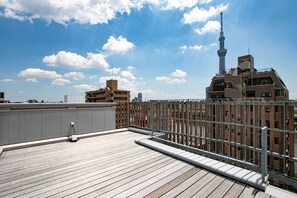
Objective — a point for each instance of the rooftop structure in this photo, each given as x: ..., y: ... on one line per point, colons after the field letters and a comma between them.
x: 38, y: 161
x: 110, y: 93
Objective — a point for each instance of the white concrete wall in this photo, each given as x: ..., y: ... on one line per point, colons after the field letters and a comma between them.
x: 30, y: 122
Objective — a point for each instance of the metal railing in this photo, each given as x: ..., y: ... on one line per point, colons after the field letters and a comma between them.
x: 226, y: 130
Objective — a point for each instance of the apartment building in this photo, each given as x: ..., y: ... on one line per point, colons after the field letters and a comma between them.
x: 110, y: 93
x: 246, y: 81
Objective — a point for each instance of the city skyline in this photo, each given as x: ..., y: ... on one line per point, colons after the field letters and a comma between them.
x: 54, y: 49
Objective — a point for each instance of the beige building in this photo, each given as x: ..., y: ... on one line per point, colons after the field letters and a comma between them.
x: 110, y: 93
x: 247, y: 82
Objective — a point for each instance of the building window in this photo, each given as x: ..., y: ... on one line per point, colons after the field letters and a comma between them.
x: 250, y: 94
x: 259, y: 81
x: 277, y: 92
x: 219, y: 86
x: 266, y: 94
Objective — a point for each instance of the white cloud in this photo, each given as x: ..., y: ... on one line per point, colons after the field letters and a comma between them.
x: 193, y: 47
x: 74, y: 61
x: 184, y: 47
x: 196, y: 47
x: 128, y: 75
x: 163, y: 78
x: 31, y: 74
x: 202, y: 15
x: 114, y: 71
x: 75, y: 75
x: 170, y: 80
x: 209, y: 27
x: 67, y: 11
x: 34, y: 80
x: 179, y: 4
x: 179, y: 73
x: 148, y: 92
x: 130, y: 68
x: 85, y: 87
x: 84, y: 12
x: 182, y: 4
x: 92, y: 77
x: 7, y: 80
x: 8, y: 13
x: 177, y: 77
x: 117, y: 46
x: 60, y: 82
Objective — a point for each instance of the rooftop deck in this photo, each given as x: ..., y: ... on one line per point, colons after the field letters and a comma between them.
x: 106, y: 166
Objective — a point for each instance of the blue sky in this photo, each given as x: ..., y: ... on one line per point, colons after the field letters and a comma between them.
x: 165, y: 49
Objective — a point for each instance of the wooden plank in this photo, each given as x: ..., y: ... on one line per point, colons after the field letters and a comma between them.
x: 135, y: 185
x: 209, y: 187
x: 235, y: 190
x: 86, y: 177
x: 173, y: 183
x: 65, y: 176
x: 222, y: 189
x: 155, y: 185
x: 248, y: 192
x: 193, y: 189
x: 184, y: 185
x: 103, y: 183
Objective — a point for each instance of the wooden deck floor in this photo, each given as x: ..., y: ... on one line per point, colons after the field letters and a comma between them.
x: 108, y: 166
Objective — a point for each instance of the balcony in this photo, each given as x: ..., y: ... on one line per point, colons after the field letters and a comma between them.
x: 122, y: 162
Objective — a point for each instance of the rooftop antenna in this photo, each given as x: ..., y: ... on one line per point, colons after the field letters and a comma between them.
x: 112, y: 77
x: 221, y: 13
x: 248, y: 51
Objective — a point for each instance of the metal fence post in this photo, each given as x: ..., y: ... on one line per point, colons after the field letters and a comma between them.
x: 264, y: 153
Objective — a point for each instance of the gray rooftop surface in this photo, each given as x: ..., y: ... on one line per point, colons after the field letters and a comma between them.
x: 107, y: 166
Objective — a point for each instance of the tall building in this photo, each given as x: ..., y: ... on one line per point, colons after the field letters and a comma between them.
x: 110, y: 93
x: 243, y: 84
x: 138, y: 98
x: 2, y: 98
x: 247, y: 82
x: 65, y: 98
x: 222, y: 51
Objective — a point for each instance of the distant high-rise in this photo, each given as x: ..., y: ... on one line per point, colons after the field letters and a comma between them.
x: 140, y: 97
x: 2, y: 98
x: 222, y: 51
x: 65, y: 98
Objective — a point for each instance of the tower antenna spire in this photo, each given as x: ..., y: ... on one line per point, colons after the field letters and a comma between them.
x: 222, y: 51
x: 221, y: 13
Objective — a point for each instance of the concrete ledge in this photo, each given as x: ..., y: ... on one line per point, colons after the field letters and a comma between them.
x: 1, y: 150
x: 141, y: 131
x: 55, y: 140
x: 237, y: 173
x: 278, y: 192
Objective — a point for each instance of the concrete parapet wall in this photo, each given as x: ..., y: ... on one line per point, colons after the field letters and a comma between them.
x: 30, y: 122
